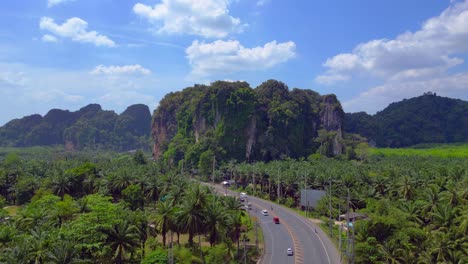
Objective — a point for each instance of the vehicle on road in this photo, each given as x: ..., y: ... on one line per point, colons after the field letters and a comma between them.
x: 276, y: 220
x: 264, y: 212
x: 290, y: 252
x: 248, y: 206
x: 243, y: 196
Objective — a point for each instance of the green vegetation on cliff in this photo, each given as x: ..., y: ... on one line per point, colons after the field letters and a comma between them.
x: 230, y: 120
x: 425, y: 119
x: 90, y: 127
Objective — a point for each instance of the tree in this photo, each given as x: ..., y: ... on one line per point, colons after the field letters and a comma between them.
x: 216, y: 219
x: 122, y: 238
x: 164, y: 217
x: 139, y: 158
x: 60, y: 184
x: 133, y: 196
x: 190, y: 215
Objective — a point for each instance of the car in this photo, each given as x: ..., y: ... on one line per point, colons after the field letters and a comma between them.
x: 276, y: 220
x: 264, y: 212
x: 289, y: 251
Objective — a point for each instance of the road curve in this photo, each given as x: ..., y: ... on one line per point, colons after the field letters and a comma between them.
x: 308, y: 241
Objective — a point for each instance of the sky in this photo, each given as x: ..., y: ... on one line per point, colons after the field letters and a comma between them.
x: 69, y: 53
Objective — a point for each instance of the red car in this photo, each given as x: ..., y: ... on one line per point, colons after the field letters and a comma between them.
x: 276, y: 220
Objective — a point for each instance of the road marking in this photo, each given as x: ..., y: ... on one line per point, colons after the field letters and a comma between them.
x: 310, y: 225
x: 298, y: 255
x: 296, y: 245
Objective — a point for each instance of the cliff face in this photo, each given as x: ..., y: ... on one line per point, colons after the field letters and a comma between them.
x: 332, y: 119
x: 234, y: 121
x: 89, y: 127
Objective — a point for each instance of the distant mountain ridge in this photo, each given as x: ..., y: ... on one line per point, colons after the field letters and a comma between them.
x: 89, y: 127
x: 424, y: 119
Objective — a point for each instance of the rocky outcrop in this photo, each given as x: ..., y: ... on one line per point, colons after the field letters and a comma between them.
x: 89, y: 127
x: 332, y: 120
x: 234, y: 121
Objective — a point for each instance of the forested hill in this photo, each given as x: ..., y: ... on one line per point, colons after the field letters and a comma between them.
x: 231, y: 120
x: 89, y: 127
x: 425, y: 119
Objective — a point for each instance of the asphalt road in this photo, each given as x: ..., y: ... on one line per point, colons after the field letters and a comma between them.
x: 310, y: 244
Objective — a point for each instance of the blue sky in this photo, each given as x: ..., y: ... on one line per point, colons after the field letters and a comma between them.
x: 69, y: 53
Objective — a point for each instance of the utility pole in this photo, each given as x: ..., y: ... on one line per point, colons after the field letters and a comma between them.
x: 214, y: 162
x: 253, y: 181
x: 279, y: 183
x: 339, y: 230
x: 305, y: 194
x: 349, y: 234
x: 330, y: 207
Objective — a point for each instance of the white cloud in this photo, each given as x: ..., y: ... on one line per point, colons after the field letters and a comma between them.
x: 126, y: 98
x: 76, y: 29
x: 49, y: 38
x: 125, y: 69
x: 38, y: 89
x: 51, y: 3
x: 230, y: 56
x: 432, y: 49
x: 262, y: 2
x: 331, y: 78
x: 206, y: 18
x: 377, y: 98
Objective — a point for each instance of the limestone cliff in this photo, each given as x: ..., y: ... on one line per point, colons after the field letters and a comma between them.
x: 332, y: 120
x: 234, y: 121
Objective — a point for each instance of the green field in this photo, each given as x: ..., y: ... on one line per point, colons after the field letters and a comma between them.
x: 424, y: 150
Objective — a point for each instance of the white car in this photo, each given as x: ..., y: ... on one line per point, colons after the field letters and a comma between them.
x: 289, y: 251
x: 264, y: 212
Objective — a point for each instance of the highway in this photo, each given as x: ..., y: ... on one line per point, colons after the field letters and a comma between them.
x: 310, y: 244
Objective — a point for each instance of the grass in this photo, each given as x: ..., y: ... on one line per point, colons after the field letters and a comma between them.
x: 425, y: 150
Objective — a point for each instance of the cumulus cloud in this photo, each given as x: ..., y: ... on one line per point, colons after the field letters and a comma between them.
x: 206, y: 18
x: 124, y: 69
x: 377, y: 98
x: 412, y: 55
x: 262, y: 2
x: 230, y: 56
x: 76, y: 29
x: 49, y: 38
x: 51, y: 3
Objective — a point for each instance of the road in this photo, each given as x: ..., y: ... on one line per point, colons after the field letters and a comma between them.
x: 308, y: 241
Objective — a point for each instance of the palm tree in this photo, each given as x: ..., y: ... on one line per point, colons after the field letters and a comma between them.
x: 232, y: 204
x: 216, y: 218
x: 442, y: 217
x: 121, y: 238
x: 405, y: 187
x: 190, y: 215
x: 432, y: 200
x: 61, y: 184
x: 442, y: 246
x: 152, y: 188
x: 38, y: 242
x: 120, y: 180
x: 234, y: 232
x: 63, y: 252
x: 164, y: 217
